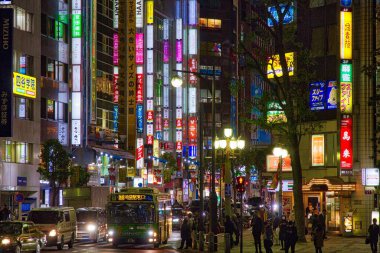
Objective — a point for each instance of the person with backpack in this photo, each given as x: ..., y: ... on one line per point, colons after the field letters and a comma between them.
x: 373, y: 236
x: 257, y: 230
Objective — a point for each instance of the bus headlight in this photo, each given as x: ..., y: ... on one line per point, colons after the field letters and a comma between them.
x: 175, y: 220
x: 91, y: 227
x: 53, y: 233
x: 111, y: 232
x: 154, y: 234
x: 150, y: 232
x: 5, y: 241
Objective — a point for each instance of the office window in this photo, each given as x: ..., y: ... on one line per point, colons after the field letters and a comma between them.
x: 23, y: 63
x: 24, y: 108
x: 61, y: 71
x: 50, y: 30
x: 23, y: 20
x: 211, y: 48
x: 50, y: 73
x: 50, y: 109
x: 319, y: 3
x: 43, y: 108
x: 206, y: 96
x: 16, y: 152
x: 210, y: 23
x: 62, y: 112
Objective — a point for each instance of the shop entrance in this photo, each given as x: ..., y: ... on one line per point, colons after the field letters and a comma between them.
x: 333, y: 212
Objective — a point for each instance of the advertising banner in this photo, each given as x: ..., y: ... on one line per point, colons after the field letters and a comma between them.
x: 115, y: 49
x: 346, y: 145
x: 140, y: 118
x: 272, y: 163
x: 139, y: 13
x: 346, y: 97
x: 346, y: 35
x: 288, y: 18
x: 274, y: 65
x: 149, y: 12
x: 332, y: 95
x: 193, y: 129
x: 24, y: 85
x: 317, y: 96
x: 370, y: 177
x: 139, y: 153
x: 139, y: 88
x: 318, y: 150
x: 6, y: 55
x: 139, y: 48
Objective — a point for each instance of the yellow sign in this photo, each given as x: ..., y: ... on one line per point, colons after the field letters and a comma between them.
x: 131, y: 172
x: 134, y: 197
x: 346, y: 97
x: 274, y: 65
x: 24, y: 85
x: 149, y: 12
x: 317, y: 150
x: 346, y: 35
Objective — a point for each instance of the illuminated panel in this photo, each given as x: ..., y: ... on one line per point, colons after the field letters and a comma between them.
x: 149, y: 12
x: 346, y: 145
x: 139, y: 48
x: 346, y: 35
x: 179, y: 53
x: 318, y: 150
x: 115, y: 49
x: 139, y: 153
x: 115, y: 14
x: 76, y: 60
x: 24, y: 85
x: 139, y: 13
x: 274, y: 66
x: 193, y: 41
x: 166, y: 78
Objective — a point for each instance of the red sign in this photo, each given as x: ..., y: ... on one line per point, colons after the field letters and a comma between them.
x: 178, y: 146
x: 149, y: 116
x: 193, y: 129
x: 139, y: 88
x: 140, y: 152
x: 115, y: 88
x: 158, y: 122
x: 346, y: 143
x: 273, y: 161
x: 166, y: 124
x: 178, y: 123
x: 193, y: 67
x: 149, y: 139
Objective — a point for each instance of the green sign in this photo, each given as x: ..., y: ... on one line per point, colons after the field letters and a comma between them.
x: 77, y: 25
x: 59, y: 28
x: 346, y: 72
x: 63, y: 17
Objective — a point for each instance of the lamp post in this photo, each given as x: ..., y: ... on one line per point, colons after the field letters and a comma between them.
x: 177, y: 82
x: 228, y: 145
x: 280, y: 153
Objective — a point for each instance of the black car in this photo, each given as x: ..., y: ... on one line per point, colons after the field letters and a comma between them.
x: 20, y: 236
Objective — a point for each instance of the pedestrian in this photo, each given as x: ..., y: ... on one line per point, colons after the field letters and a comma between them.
x: 291, y: 237
x: 185, y: 233
x: 192, y: 230
x: 322, y: 221
x: 309, y: 210
x: 282, y: 231
x: 229, y: 228
x: 318, y: 238
x: 373, y: 231
x: 5, y: 213
x: 268, y: 237
x: 314, y: 222
x: 257, y: 230
x: 276, y: 229
x: 236, y: 222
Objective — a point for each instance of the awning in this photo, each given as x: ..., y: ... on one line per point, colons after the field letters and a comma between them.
x: 329, y: 184
x: 115, y: 152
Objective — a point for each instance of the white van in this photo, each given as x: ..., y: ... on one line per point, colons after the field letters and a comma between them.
x: 58, y: 223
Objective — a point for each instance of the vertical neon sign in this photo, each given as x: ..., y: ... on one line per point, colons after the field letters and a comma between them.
x: 166, y: 78
x: 179, y: 89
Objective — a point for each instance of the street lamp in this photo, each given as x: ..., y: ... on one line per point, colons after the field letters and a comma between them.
x: 280, y: 153
x: 228, y: 145
x: 176, y: 81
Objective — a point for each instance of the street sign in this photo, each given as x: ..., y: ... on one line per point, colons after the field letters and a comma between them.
x: 19, y: 197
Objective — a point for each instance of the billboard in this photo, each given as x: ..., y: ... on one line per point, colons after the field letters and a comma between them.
x: 317, y: 96
x: 6, y: 53
x: 288, y: 17
x: 318, y: 150
x: 370, y: 177
x: 346, y: 35
x: 331, y: 95
x: 272, y: 163
x: 24, y: 85
x: 274, y: 66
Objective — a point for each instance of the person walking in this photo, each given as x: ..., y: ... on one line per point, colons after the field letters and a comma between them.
x: 291, y: 237
x: 257, y: 230
x: 276, y: 229
x: 373, y: 231
x: 192, y: 230
x: 268, y: 237
x: 318, y: 238
x: 282, y: 231
x: 229, y: 228
x: 236, y: 223
x: 185, y: 234
x: 322, y: 221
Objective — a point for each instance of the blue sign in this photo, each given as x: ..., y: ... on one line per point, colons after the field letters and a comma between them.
x: 317, y: 96
x: 19, y: 197
x: 288, y: 18
x: 346, y: 3
x: 22, y: 181
x: 5, y: 2
x: 6, y: 56
x: 115, y: 117
x: 140, y: 118
x: 264, y: 136
x: 332, y: 95
x: 256, y: 91
x: 192, y: 151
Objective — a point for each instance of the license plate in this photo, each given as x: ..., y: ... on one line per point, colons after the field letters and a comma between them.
x: 130, y: 240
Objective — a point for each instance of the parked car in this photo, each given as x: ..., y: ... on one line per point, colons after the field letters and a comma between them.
x: 92, y: 224
x: 20, y: 236
x: 58, y: 223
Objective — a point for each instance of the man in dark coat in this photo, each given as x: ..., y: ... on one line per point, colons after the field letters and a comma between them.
x: 257, y: 230
x: 185, y: 233
x: 322, y: 222
x: 373, y: 231
x: 229, y: 228
x: 291, y: 237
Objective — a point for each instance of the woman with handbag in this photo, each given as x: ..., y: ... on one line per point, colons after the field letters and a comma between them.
x: 373, y: 236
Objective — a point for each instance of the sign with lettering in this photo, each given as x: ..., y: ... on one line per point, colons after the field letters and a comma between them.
x: 6, y: 54
x: 132, y: 197
x: 24, y: 85
x: 346, y: 144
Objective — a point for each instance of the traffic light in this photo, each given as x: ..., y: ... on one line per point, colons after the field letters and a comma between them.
x: 240, y: 187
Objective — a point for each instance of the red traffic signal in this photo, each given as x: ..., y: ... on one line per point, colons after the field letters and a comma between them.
x: 240, y: 186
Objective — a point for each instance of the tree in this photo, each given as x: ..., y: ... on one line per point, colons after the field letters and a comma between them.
x: 170, y: 166
x: 54, y: 167
x: 284, y: 108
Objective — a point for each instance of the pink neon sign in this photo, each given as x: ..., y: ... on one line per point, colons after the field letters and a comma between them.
x: 166, y: 51
x: 179, y: 50
x: 139, y: 48
x: 115, y: 49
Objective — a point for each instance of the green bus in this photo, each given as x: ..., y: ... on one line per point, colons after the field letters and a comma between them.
x: 139, y: 216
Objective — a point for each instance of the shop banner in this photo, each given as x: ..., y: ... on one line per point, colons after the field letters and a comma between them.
x: 272, y: 163
x: 346, y: 145
x: 318, y: 150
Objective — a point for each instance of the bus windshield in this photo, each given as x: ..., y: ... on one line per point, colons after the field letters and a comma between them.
x: 43, y: 217
x: 86, y: 216
x: 131, y: 213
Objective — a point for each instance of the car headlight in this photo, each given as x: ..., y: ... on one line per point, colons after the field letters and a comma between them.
x: 175, y: 220
x: 53, y: 233
x: 5, y: 241
x: 111, y: 232
x: 91, y: 227
x: 150, y: 232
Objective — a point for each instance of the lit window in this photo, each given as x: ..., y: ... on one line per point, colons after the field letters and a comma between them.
x: 23, y: 20
x: 210, y: 23
x: 16, y: 152
x: 24, y: 108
